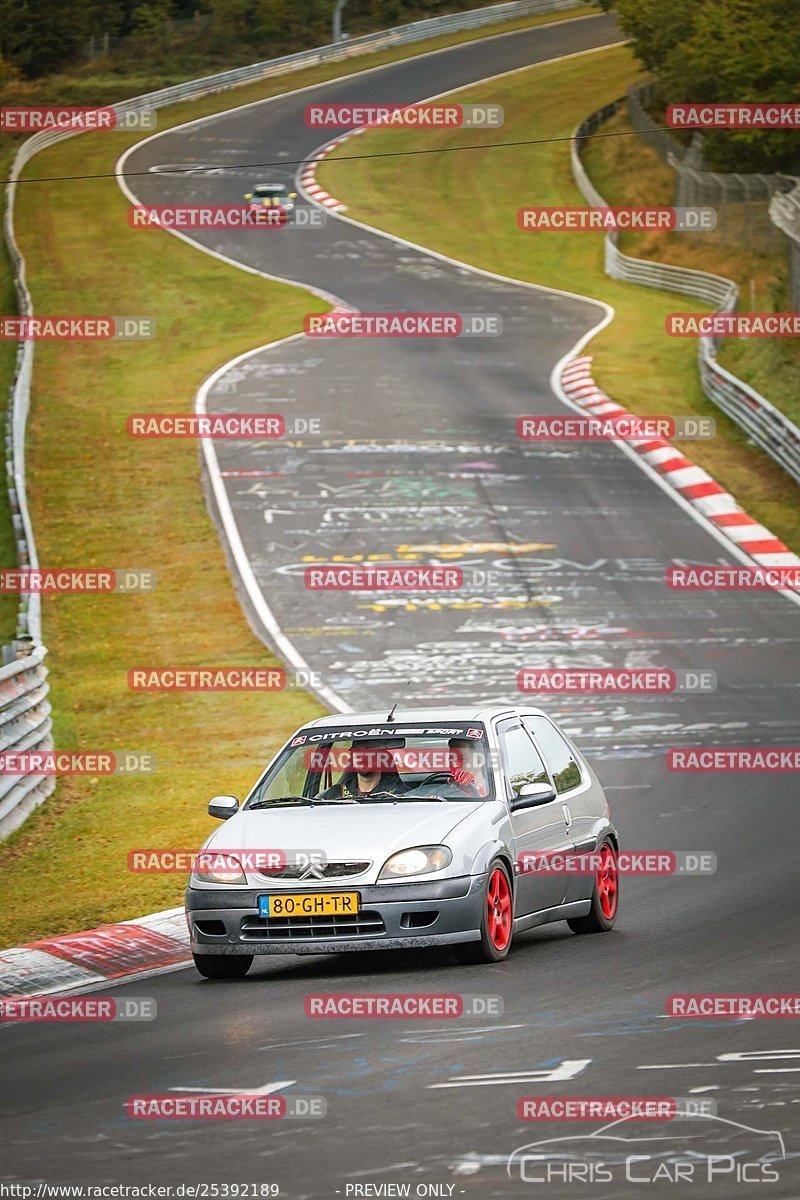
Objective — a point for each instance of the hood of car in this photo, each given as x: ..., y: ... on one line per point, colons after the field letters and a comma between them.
x: 343, y: 831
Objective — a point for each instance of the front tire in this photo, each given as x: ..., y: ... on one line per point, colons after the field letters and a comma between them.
x: 223, y: 966
x: 602, y: 915
x: 497, y: 920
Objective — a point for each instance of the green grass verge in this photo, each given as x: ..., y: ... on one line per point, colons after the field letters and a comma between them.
x: 464, y: 204
x: 99, y: 498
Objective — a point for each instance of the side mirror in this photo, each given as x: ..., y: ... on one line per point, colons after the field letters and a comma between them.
x: 292, y: 195
x: 248, y: 195
x: 533, y: 793
x: 223, y: 807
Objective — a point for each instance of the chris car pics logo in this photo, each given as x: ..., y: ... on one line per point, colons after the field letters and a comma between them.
x: 696, y: 1149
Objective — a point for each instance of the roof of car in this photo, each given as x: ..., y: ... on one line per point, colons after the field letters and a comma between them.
x: 428, y: 716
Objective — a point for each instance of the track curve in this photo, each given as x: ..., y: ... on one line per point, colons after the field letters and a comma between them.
x: 587, y: 588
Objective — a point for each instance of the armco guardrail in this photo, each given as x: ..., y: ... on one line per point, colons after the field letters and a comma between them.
x: 760, y: 420
x: 18, y: 801
x: 29, y: 621
x: 25, y: 726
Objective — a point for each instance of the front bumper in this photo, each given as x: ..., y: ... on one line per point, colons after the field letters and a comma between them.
x: 391, y: 917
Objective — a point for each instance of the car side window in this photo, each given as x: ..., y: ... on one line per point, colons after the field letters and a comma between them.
x: 520, y: 757
x: 561, y: 760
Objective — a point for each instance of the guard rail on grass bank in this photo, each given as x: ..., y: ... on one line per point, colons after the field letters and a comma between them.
x: 25, y: 727
x: 760, y: 420
x: 19, y: 798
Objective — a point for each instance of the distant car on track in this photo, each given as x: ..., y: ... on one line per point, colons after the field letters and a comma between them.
x: 411, y: 830
x: 271, y: 195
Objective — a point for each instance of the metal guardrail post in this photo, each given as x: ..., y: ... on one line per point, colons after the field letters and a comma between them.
x: 337, y: 19
x: 784, y: 212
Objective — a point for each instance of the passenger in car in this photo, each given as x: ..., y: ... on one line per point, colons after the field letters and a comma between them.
x: 467, y: 766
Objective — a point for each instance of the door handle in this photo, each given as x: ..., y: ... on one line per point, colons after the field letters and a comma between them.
x: 567, y: 817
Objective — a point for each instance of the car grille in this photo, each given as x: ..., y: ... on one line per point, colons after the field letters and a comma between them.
x: 306, y: 928
x: 331, y: 870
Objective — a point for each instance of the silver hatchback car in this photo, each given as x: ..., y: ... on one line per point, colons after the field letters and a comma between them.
x: 429, y: 827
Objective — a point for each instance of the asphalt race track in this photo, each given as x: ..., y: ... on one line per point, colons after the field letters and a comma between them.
x: 419, y: 457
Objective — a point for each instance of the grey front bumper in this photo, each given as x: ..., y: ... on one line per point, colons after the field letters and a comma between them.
x: 456, y: 906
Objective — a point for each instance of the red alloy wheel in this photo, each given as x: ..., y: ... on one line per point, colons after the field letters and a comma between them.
x: 498, y: 909
x: 607, y: 882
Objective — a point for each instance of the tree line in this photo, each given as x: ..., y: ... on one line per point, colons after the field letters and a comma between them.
x: 723, y: 51
x: 39, y: 37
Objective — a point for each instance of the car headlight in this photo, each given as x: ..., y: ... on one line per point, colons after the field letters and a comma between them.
x: 419, y: 860
x: 215, y: 866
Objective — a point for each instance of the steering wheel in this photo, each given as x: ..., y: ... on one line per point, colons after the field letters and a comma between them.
x: 436, y: 777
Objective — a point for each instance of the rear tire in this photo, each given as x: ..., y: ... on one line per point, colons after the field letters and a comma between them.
x: 223, y: 966
x: 497, y: 920
x: 602, y: 915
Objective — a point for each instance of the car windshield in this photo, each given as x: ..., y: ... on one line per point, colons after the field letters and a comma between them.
x: 263, y: 190
x: 392, y: 765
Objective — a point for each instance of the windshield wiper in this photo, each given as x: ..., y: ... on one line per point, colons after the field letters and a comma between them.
x: 282, y: 802
x: 307, y: 802
x: 396, y: 796
x: 295, y: 802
